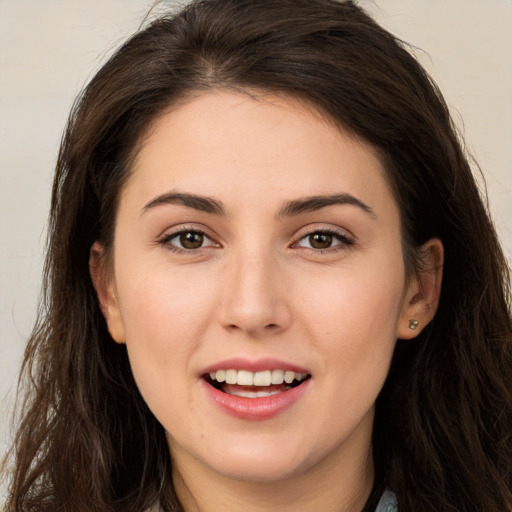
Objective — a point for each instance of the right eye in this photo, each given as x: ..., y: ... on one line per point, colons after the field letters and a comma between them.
x: 187, y: 240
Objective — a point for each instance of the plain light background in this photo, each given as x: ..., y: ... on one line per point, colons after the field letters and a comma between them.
x: 49, y: 49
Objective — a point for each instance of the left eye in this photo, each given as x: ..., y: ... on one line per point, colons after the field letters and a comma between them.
x: 188, y: 240
x: 323, y: 240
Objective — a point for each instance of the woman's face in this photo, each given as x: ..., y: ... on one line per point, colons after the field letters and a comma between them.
x: 255, y: 244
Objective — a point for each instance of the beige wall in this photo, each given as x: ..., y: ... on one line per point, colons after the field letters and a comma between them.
x: 48, y: 49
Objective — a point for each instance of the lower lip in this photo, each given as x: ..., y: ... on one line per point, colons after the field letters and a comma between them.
x: 255, y: 409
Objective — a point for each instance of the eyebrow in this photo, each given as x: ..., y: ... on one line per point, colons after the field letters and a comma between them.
x: 290, y: 209
x: 311, y: 204
x: 201, y: 203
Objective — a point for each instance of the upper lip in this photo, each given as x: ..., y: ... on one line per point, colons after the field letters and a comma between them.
x: 258, y: 365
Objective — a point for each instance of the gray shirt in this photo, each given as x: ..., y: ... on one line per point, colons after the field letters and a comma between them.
x: 387, y: 503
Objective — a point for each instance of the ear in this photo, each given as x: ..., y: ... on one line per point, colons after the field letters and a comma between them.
x: 103, y: 282
x: 423, y: 291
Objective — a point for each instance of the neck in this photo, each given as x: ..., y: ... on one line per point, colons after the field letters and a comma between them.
x: 331, y: 485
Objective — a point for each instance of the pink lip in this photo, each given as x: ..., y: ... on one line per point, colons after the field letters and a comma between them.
x: 239, y: 363
x: 255, y: 409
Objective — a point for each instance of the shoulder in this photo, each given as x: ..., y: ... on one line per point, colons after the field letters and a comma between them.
x: 155, y: 508
x: 387, y: 503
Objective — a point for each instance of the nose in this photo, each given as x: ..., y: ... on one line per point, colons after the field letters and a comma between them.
x: 254, y: 297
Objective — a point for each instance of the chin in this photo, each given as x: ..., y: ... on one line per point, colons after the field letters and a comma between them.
x: 268, y: 460
x: 256, y: 469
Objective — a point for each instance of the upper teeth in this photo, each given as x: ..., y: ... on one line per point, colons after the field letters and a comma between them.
x: 264, y: 378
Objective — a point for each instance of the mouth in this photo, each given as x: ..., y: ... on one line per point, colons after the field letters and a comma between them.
x: 261, y: 384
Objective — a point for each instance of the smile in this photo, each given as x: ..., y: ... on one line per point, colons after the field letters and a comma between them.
x: 249, y: 384
x: 255, y: 395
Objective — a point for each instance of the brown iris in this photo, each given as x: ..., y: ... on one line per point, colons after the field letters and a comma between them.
x: 191, y: 240
x: 320, y: 240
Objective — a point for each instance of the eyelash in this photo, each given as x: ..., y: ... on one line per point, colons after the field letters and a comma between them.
x: 165, y: 241
x: 345, y: 242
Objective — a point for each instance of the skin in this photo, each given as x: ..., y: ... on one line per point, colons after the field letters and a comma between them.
x: 257, y: 287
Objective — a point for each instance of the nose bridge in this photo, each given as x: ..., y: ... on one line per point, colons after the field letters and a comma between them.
x: 253, y: 299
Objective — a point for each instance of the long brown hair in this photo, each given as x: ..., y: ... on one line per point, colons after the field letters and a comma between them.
x: 442, y: 436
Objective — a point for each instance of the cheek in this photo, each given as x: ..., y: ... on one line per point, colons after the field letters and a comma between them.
x: 353, y: 318
x: 164, y: 305
x: 354, y: 336
x: 366, y: 297
x: 164, y: 315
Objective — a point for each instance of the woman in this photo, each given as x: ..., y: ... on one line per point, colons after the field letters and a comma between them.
x: 253, y: 202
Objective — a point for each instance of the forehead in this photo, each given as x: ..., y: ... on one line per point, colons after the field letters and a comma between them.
x: 221, y: 143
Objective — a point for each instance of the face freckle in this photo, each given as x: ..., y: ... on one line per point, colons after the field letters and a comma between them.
x: 295, y: 265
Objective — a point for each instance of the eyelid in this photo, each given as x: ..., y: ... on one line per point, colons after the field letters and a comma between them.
x: 172, y: 233
x: 345, y: 238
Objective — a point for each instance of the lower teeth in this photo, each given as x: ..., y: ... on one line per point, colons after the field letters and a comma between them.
x: 254, y: 394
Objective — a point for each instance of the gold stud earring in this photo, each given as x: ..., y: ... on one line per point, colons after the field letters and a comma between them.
x: 413, y: 324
